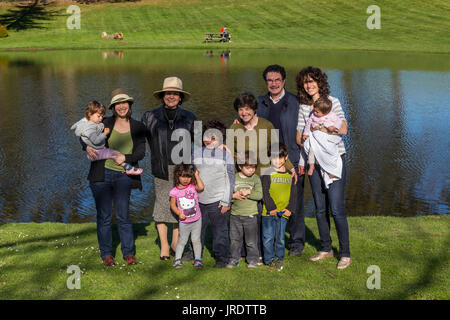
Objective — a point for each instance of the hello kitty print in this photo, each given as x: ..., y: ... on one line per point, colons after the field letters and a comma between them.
x: 187, y: 202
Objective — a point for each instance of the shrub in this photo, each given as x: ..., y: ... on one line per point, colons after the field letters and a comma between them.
x: 3, y: 31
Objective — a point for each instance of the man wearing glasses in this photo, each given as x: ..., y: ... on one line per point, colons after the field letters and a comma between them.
x: 281, y: 108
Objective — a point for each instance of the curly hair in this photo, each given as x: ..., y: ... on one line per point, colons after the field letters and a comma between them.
x: 317, y: 75
x: 184, y: 170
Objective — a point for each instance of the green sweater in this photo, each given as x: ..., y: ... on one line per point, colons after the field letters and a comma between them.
x: 254, y: 146
x: 249, y: 206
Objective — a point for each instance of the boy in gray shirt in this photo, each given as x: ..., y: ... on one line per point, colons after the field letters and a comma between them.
x: 216, y: 167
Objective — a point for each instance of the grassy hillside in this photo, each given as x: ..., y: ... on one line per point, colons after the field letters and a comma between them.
x: 408, y: 25
x: 412, y: 254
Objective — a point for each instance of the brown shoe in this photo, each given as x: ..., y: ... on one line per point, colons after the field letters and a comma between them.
x: 322, y: 255
x: 131, y: 259
x: 108, y: 261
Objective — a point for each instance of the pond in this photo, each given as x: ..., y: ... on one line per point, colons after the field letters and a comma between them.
x: 396, y: 104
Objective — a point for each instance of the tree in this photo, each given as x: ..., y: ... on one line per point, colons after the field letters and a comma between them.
x: 28, y: 16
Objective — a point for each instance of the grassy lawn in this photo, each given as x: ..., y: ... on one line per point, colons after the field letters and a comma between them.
x: 409, y: 25
x: 412, y: 254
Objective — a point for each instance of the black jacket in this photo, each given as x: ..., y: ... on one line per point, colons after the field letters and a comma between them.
x: 289, y: 121
x: 157, y: 128
x: 97, y: 170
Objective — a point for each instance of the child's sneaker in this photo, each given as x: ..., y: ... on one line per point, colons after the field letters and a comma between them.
x: 233, y: 264
x: 134, y: 171
x: 178, y: 264
x: 198, y: 263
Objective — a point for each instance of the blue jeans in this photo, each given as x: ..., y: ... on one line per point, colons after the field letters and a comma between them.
x: 116, y: 188
x: 273, y: 229
x: 333, y: 199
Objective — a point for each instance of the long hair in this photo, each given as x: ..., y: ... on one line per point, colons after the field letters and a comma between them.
x: 184, y: 170
x: 317, y: 75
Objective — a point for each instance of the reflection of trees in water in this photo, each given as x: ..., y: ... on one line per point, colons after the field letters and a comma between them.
x: 382, y: 159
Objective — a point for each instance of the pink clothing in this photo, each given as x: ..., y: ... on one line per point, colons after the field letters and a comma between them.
x: 187, y: 202
x: 331, y: 119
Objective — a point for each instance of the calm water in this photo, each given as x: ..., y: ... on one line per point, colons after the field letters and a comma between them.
x: 397, y: 107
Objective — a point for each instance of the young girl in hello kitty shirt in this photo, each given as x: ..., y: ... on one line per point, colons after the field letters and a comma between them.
x: 184, y: 203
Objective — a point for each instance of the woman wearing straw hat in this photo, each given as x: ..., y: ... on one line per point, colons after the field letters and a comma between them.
x: 161, y: 123
x: 109, y: 182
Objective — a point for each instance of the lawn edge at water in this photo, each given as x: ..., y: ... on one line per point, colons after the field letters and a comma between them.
x: 412, y: 254
x: 302, y: 25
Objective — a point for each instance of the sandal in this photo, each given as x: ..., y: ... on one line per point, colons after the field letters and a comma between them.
x: 164, y: 258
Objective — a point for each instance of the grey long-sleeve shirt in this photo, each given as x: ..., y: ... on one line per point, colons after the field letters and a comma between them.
x: 90, y: 132
x: 216, y: 169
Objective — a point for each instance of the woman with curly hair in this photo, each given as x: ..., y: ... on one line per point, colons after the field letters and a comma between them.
x: 312, y: 84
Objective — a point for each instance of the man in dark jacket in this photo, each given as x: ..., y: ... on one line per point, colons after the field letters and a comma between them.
x: 281, y: 108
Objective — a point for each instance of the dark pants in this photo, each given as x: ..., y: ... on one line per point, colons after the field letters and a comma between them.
x: 297, y: 219
x: 116, y: 188
x: 259, y: 236
x: 219, y: 227
x: 334, y: 199
x: 240, y: 226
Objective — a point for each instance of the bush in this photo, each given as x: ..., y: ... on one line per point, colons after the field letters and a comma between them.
x: 3, y: 31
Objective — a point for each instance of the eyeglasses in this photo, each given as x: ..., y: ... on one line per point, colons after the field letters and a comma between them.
x: 278, y: 80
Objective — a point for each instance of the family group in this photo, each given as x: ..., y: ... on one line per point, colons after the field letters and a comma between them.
x: 247, y: 201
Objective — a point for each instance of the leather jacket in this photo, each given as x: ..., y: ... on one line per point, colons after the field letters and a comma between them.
x: 289, y: 121
x: 157, y: 128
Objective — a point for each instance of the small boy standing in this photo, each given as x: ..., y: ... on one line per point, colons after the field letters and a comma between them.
x: 279, y: 195
x: 244, y: 211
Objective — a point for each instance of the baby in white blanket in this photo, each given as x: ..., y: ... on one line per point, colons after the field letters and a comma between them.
x: 321, y: 117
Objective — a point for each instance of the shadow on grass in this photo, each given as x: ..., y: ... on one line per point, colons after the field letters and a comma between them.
x: 434, y: 265
x: 139, y: 230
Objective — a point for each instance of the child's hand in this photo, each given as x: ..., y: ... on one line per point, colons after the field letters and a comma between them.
x: 106, y: 131
x: 223, y: 209
x: 237, y: 195
x: 304, y: 137
x: 182, y: 216
x: 287, y: 213
x: 301, y: 170
x: 245, y: 192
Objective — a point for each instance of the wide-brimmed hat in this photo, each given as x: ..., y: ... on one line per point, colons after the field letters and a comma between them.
x: 172, y: 84
x: 120, y: 95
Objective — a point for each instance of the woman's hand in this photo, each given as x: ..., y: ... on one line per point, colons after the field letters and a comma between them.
x: 119, y: 159
x: 92, y: 153
x: 294, y: 175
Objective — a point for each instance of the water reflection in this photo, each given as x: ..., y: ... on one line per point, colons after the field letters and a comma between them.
x: 397, y: 146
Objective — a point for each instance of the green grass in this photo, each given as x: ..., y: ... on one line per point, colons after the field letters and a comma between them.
x: 409, y: 25
x: 412, y: 253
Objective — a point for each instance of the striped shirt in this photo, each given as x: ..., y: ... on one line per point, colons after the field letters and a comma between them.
x: 305, y: 112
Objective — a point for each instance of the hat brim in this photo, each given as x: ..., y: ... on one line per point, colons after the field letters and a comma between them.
x: 157, y: 94
x: 129, y: 99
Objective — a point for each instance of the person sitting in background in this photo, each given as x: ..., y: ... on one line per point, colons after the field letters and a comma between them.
x: 117, y: 35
